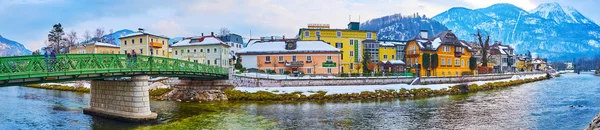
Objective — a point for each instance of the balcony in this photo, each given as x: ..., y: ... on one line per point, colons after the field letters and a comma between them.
x: 294, y: 64
x: 458, y: 54
x: 155, y: 45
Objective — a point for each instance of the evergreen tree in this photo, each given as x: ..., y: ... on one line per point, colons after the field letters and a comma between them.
x: 365, y: 62
x: 55, y: 37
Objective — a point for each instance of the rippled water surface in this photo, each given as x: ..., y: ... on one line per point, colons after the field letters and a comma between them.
x: 540, y: 105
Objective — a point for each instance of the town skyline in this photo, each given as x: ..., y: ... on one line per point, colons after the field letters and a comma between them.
x: 182, y: 19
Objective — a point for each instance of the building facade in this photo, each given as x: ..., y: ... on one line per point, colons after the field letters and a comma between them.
x: 349, y: 41
x: 235, y: 42
x: 453, y: 56
x: 204, y: 49
x: 144, y: 43
x: 95, y: 48
x: 503, y: 58
x: 292, y: 56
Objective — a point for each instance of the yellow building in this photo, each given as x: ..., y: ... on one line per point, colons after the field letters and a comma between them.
x: 144, y: 43
x: 349, y: 41
x: 95, y: 48
x: 387, y: 51
x: 208, y: 50
x: 453, y: 55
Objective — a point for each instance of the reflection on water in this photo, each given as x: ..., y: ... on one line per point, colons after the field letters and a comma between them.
x: 540, y: 105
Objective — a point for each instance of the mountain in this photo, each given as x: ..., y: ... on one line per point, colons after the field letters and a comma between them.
x: 115, y: 35
x: 556, y: 32
x: 398, y: 27
x: 12, y: 48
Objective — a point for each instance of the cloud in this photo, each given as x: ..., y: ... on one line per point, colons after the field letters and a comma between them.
x: 189, y: 18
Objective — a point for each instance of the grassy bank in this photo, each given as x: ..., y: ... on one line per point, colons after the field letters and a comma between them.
x: 155, y: 92
x: 59, y: 87
x: 366, y: 95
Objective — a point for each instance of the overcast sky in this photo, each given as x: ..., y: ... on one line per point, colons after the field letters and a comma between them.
x: 29, y: 21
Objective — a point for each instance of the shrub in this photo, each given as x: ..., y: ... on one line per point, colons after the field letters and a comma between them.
x: 271, y: 72
x: 261, y: 71
x: 287, y: 72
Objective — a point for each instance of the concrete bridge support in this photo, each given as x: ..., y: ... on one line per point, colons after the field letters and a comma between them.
x: 121, y: 99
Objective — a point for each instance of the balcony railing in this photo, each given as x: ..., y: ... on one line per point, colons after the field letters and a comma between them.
x: 458, y: 54
x: 155, y: 45
x: 294, y: 64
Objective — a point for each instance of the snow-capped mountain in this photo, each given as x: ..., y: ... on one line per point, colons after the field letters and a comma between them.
x: 115, y: 36
x: 398, y: 27
x: 12, y: 48
x: 553, y: 31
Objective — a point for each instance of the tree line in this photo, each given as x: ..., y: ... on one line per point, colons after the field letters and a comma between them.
x: 61, y: 42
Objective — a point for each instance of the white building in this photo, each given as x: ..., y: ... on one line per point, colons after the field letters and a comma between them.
x: 204, y: 49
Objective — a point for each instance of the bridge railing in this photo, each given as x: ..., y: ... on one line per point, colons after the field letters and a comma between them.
x: 72, y: 64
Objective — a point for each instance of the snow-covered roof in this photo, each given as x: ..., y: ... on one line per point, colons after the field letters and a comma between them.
x: 280, y: 47
x: 397, y: 62
x: 442, y: 38
x: 105, y: 44
x: 199, y: 41
x: 142, y: 33
x: 386, y: 44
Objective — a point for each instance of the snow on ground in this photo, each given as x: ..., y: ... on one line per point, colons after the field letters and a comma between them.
x: 360, y: 88
x: 271, y: 76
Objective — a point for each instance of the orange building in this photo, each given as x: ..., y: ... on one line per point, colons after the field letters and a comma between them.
x: 291, y: 56
x: 95, y: 48
x: 444, y: 55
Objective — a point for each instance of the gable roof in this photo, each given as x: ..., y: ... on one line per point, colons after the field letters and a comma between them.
x: 199, y: 41
x: 140, y: 33
x: 442, y: 38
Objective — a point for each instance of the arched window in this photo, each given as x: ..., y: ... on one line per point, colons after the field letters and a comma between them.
x: 132, y: 41
x: 125, y: 42
x: 141, y: 41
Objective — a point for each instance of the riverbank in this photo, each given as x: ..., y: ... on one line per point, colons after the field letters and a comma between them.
x: 595, y: 123
x: 402, y: 93
x: 154, y: 93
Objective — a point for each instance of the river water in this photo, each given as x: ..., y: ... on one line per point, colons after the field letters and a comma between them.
x: 539, y: 105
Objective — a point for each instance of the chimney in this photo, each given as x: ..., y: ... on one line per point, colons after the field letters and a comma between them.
x: 140, y: 30
x: 203, y: 34
x: 424, y: 34
x: 212, y: 34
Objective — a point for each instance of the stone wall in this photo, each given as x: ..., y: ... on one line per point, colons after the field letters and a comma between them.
x: 197, y: 90
x: 121, y: 99
x: 594, y: 124
x: 242, y: 81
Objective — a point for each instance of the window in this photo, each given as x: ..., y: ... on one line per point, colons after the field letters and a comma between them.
x: 175, y: 52
x: 449, y: 63
x: 416, y: 61
x: 207, y: 50
x: 339, y: 45
x: 318, y: 34
x: 215, y: 62
x: 329, y: 70
x: 351, y: 53
x: 443, y: 62
x: 443, y: 73
x: 351, y: 66
x: 309, y: 70
x: 369, y: 35
x: 338, y: 33
x: 125, y: 42
x: 215, y: 50
x: 329, y: 58
x: 384, y: 48
x: 280, y: 70
x: 393, y: 57
x: 462, y: 62
x: 208, y: 62
x: 152, y: 40
x: 163, y: 52
x: 306, y: 33
x: 141, y: 51
x: 201, y: 50
x: 163, y: 42
x: 141, y: 41
x: 351, y: 42
x: 156, y: 52
x: 456, y: 62
x: 294, y: 58
x: 280, y: 58
x: 308, y: 58
x: 268, y: 59
x: 188, y: 51
x: 132, y: 41
x: 195, y: 51
x: 385, y: 57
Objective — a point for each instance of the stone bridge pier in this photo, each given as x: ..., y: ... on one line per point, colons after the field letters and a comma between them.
x: 121, y: 99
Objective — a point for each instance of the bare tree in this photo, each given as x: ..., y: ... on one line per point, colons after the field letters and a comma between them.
x: 99, y: 34
x: 110, y: 39
x: 71, y: 39
x: 223, y: 31
x: 484, y: 47
x: 86, y: 36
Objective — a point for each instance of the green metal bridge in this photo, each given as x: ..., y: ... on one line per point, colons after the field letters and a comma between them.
x: 21, y: 70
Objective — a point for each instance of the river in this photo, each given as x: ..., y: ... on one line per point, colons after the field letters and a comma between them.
x: 539, y: 105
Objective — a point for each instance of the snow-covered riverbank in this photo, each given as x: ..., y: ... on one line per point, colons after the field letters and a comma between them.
x: 361, y: 88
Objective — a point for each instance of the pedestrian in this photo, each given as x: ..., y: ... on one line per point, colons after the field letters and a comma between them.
x: 46, y: 61
x: 52, y: 60
x: 128, y: 60
x: 134, y: 59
